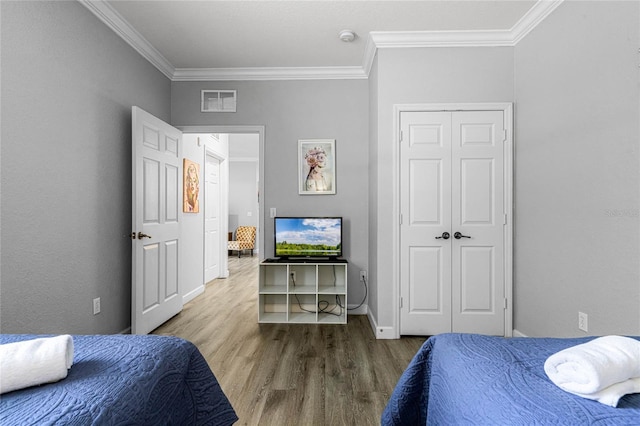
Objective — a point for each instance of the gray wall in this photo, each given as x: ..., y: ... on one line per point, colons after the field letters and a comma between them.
x: 293, y: 110
x: 68, y: 84
x: 423, y: 75
x: 243, y: 192
x: 373, y: 193
x: 577, y: 179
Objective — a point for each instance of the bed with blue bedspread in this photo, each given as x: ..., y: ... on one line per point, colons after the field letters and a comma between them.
x: 468, y: 379
x: 124, y: 380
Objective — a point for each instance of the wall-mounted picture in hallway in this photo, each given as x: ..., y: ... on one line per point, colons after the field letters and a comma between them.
x: 316, y: 166
x: 191, y: 180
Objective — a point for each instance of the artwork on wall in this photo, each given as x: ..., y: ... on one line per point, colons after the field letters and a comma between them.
x: 316, y: 166
x: 191, y: 181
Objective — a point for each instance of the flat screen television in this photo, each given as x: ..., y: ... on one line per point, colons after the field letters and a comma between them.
x: 308, y: 237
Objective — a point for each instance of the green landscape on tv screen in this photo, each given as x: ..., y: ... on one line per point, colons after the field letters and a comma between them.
x: 291, y: 249
x: 295, y: 236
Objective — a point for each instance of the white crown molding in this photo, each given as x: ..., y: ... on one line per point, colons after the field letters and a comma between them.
x: 408, y: 39
x: 532, y: 18
x: 253, y: 74
x: 490, y: 38
x: 376, y: 40
x: 370, y: 50
x: 121, y: 27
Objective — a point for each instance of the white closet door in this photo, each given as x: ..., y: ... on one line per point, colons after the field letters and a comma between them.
x: 425, y: 256
x: 452, y: 231
x: 477, y: 213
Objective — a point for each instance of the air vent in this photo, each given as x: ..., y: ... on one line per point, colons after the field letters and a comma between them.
x: 218, y: 101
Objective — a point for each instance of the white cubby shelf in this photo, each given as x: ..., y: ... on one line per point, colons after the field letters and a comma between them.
x: 302, y: 293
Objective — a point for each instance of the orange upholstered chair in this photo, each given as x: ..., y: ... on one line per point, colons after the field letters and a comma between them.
x: 245, y: 239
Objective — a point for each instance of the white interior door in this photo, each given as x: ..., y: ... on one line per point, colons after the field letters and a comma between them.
x: 477, y: 187
x: 425, y: 255
x: 157, y: 197
x: 452, y: 250
x: 212, y: 233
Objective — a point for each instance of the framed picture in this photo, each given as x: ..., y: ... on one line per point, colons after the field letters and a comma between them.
x: 191, y: 182
x: 316, y: 166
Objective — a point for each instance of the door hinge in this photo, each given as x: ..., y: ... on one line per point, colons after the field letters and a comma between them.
x: 504, y: 135
x: 401, y: 303
x: 504, y: 222
x: 505, y: 303
x: 400, y: 218
x: 401, y: 136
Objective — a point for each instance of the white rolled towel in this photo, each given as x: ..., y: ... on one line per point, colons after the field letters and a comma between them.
x: 603, y: 369
x: 612, y: 394
x: 34, y: 362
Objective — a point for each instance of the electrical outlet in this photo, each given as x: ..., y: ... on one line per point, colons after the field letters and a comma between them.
x: 292, y: 274
x: 96, y: 306
x: 583, y: 321
x: 363, y: 275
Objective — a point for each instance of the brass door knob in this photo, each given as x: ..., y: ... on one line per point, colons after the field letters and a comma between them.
x: 142, y: 235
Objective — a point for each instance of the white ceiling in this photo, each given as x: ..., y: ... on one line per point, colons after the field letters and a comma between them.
x: 220, y: 39
x: 230, y: 34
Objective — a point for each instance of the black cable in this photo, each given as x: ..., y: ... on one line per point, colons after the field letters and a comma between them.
x: 338, y: 304
x: 330, y: 312
x: 300, y: 305
x: 320, y: 310
x: 366, y: 291
x: 296, y: 296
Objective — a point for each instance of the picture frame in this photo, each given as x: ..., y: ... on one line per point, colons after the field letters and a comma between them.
x: 191, y: 186
x: 316, y: 166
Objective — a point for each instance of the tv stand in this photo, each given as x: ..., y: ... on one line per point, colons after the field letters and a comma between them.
x: 303, y: 291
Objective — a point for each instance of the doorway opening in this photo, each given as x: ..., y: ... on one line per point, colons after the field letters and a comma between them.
x: 237, y: 201
x: 244, y: 186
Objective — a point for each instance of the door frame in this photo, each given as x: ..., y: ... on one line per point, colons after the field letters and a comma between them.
x: 507, y: 110
x: 253, y: 129
x: 223, y: 199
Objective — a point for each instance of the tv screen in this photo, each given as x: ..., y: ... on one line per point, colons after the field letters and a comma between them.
x: 308, y: 236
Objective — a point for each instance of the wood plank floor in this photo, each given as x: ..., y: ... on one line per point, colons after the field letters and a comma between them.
x: 289, y: 374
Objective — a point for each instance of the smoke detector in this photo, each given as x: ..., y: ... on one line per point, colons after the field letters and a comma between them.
x: 347, y: 35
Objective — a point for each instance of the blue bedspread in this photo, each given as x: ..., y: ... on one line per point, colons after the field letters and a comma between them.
x: 468, y: 379
x: 124, y: 380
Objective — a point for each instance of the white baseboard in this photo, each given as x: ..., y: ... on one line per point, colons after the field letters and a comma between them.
x: 362, y: 310
x: 381, y: 332
x: 372, y: 323
x: 192, y: 294
x: 516, y: 333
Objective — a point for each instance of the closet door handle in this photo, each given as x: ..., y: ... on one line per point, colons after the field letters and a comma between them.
x: 444, y: 236
x: 458, y: 235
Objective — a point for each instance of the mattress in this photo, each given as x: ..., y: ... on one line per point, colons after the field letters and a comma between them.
x: 469, y: 379
x: 124, y: 379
